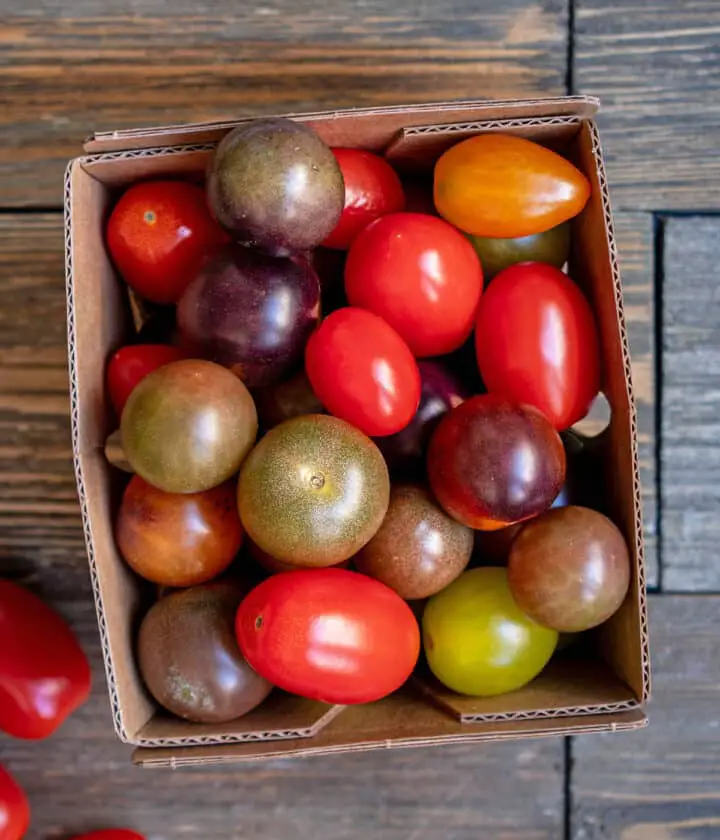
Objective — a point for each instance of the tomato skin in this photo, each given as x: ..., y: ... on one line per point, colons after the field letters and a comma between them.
x: 159, y: 234
x: 421, y: 276
x: 372, y: 189
x: 504, y: 186
x: 111, y: 834
x: 363, y: 372
x: 324, y: 634
x: 14, y: 808
x: 132, y: 363
x: 537, y: 343
x: 44, y: 674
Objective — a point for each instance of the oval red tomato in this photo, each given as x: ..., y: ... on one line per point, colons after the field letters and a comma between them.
x: 537, y: 342
x: 329, y: 634
x: 131, y: 364
x: 159, y: 234
x: 112, y: 834
x: 421, y: 276
x: 14, y: 808
x: 363, y: 372
x: 372, y: 189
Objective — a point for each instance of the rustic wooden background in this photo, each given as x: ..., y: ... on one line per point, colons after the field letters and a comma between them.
x: 70, y: 66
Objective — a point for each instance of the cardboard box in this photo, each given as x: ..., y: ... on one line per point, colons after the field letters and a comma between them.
x: 605, y: 690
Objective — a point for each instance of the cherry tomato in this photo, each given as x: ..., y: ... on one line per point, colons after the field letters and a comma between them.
x: 372, y: 189
x: 363, y: 372
x: 419, y: 274
x: 44, y: 675
x: 14, y: 808
x: 133, y: 363
x: 329, y: 634
x: 159, y: 234
x: 504, y: 186
x: 537, y: 343
x: 111, y: 834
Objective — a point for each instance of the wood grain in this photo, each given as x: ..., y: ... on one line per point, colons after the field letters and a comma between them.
x: 690, y: 452
x: 83, y: 66
x: 656, y: 66
x: 660, y: 783
x: 635, y: 242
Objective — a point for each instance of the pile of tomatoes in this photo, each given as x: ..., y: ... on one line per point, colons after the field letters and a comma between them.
x: 330, y: 422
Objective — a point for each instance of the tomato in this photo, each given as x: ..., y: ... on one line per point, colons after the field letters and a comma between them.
x: 504, y: 186
x: 372, y: 189
x: 111, y: 834
x: 158, y: 236
x: 329, y: 634
x: 14, y: 808
x: 537, y: 343
x: 44, y: 675
x: 478, y: 641
x: 419, y: 274
x: 363, y: 372
x: 131, y: 364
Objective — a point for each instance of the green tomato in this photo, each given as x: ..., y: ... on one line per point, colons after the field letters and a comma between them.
x: 478, y: 641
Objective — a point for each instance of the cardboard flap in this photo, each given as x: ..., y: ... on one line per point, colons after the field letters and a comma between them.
x: 338, y: 127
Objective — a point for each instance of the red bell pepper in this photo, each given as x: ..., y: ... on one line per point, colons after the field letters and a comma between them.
x: 44, y: 674
x: 14, y: 808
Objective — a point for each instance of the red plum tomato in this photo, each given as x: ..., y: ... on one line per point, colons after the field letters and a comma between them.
x: 537, y: 342
x: 329, y: 634
x: 363, y: 372
x: 159, y: 234
x: 111, y: 834
x: 14, y: 808
x: 131, y: 364
x: 421, y: 275
x: 372, y: 189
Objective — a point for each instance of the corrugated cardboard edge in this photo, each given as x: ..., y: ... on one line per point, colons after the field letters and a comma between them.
x: 627, y: 363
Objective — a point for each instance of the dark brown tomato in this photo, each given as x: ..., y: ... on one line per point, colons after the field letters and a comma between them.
x: 313, y: 491
x: 189, y: 657
x: 492, y: 462
x: 569, y: 569
x: 419, y: 549
x: 178, y: 539
x: 188, y: 426
x: 251, y: 313
x: 551, y: 246
x: 275, y: 185
x: 285, y: 400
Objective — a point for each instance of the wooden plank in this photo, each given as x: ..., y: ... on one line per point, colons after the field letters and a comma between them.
x: 690, y: 452
x: 660, y: 783
x: 656, y: 66
x: 76, y: 67
x: 636, y: 252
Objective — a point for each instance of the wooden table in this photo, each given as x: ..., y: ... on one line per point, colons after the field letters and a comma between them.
x: 69, y: 67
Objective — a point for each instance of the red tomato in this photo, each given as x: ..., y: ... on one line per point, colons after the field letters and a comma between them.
x: 329, y: 634
x: 363, y: 372
x: 111, y: 834
x: 372, y: 189
x: 44, y: 675
x: 419, y: 274
x: 14, y: 808
x: 537, y: 343
x: 158, y: 236
x: 133, y: 363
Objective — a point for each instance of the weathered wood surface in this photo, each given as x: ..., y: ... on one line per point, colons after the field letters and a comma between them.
x: 690, y: 451
x: 656, y: 66
x: 74, y: 67
x: 635, y: 242
x: 660, y: 783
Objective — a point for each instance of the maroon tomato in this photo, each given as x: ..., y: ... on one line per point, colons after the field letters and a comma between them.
x: 133, y: 363
x: 372, y: 189
x: 14, y: 808
x: 363, y: 372
x: 329, y: 634
x: 158, y: 236
x: 537, y: 343
x: 44, y: 674
x: 111, y: 834
x: 419, y: 274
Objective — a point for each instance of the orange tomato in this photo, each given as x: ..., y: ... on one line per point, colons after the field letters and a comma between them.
x: 503, y: 186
